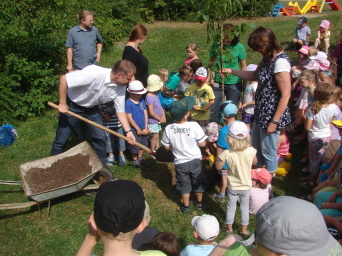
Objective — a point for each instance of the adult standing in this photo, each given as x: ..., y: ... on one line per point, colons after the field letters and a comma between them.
x: 272, y: 96
x: 232, y: 87
x: 82, y: 92
x: 81, y: 42
x: 134, y: 53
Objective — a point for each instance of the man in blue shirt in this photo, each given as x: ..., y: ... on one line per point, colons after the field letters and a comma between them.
x: 81, y: 43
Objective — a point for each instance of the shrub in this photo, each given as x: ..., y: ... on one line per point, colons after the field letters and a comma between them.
x: 257, y: 8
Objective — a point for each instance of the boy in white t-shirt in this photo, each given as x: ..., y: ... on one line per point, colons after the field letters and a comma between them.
x: 185, y: 138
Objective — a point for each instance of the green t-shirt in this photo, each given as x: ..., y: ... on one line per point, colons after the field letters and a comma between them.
x: 238, y: 249
x: 239, y: 54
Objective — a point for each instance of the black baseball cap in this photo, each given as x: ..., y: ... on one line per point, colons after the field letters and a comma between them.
x: 119, y: 206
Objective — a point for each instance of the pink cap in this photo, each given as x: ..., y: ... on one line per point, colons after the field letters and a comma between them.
x: 325, y: 24
x: 262, y: 174
x: 304, y: 49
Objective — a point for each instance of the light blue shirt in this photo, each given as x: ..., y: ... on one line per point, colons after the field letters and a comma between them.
x: 197, y: 250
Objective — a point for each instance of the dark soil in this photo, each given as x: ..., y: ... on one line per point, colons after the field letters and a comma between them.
x: 63, y: 172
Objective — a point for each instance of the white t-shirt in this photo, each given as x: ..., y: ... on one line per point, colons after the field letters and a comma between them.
x: 321, y: 122
x: 184, y: 139
x: 282, y: 65
x: 248, y: 96
x: 92, y: 86
x: 239, y: 165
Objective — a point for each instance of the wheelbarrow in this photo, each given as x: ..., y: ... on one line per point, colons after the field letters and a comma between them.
x: 98, y: 173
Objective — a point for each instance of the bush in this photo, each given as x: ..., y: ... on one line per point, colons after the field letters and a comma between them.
x: 257, y: 8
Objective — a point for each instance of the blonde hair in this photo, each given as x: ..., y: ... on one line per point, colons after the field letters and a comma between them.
x: 163, y: 74
x: 337, y: 96
x: 329, y: 74
x: 239, y: 145
x: 322, y: 95
x: 308, y: 74
x: 83, y: 14
x: 193, y: 47
x: 121, y: 237
x: 313, y: 51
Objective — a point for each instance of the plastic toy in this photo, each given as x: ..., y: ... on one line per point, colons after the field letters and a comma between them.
x: 285, y: 166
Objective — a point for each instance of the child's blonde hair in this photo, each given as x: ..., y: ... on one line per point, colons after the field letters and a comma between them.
x: 192, y: 46
x: 323, y: 95
x: 121, y: 237
x: 337, y: 96
x: 329, y: 74
x: 313, y: 51
x: 163, y: 73
x: 237, y: 144
x: 308, y: 74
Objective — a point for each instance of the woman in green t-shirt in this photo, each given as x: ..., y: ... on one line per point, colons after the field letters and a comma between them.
x: 232, y: 87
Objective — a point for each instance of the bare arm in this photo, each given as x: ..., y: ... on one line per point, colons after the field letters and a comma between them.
x: 98, y: 52
x: 203, y: 143
x: 210, y: 103
x: 308, y: 124
x: 224, y: 245
x: 245, y: 75
x: 90, y: 240
x: 125, y: 125
x: 283, y: 80
x: 63, y: 92
x: 69, y: 59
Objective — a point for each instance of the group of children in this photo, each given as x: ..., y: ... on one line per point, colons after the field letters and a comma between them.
x: 188, y: 97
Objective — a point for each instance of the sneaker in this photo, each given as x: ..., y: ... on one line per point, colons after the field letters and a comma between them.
x: 110, y: 160
x: 143, y: 162
x: 122, y: 160
x: 186, y: 210
x: 136, y: 164
x: 218, y: 197
x: 198, y: 206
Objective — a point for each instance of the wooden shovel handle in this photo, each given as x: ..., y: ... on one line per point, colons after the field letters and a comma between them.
x: 103, y: 128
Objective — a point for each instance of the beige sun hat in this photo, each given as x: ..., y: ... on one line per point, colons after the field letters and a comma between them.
x: 154, y: 83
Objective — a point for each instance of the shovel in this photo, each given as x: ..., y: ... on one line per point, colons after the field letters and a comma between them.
x: 161, y: 156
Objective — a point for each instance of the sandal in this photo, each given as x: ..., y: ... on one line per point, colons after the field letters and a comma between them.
x: 226, y: 231
x: 307, y: 198
x: 244, y: 235
x: 308, y: 184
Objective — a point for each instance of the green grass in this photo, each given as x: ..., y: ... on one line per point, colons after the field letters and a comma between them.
x: 30, y: 232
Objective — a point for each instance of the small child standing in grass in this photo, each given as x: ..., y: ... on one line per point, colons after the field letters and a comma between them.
x: 192, y: 50
x: 185, y: 139
x: 185, y: 75
x: 137, y: 117
x: 260, y: 194
x: 204, y: 97
x: 229, y: 111
x: 239, y: 158
x: 207, y: 228
x: 156, y: 114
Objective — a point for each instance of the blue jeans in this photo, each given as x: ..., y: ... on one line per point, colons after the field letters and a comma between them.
x: 266, y: 146
x: 67, y: 123
x: 113, y: 142
x: 231, y: 91
x: 232, y: 198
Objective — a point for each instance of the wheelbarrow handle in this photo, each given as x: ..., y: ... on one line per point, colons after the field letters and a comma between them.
x: 103, y: 128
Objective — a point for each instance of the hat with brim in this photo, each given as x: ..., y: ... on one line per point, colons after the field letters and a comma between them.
x: 324, y: 63
x: 337, y: 124
x: 179, y: 108
x: 325, y: 24
x: 154, y: 83
x: 313, y: 65
x: 136, y: 87
x: 302, y: 20
x: 201, y: 74
x: 286, y: 225
x: 305, y: 50
x: 321, y: 55
x: 238, y: 130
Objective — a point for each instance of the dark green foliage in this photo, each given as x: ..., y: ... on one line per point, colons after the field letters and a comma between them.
x: 257, y: 8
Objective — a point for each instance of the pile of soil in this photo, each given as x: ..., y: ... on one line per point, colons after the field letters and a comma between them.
x: 63, y: 172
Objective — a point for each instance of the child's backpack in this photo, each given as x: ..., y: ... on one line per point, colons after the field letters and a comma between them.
x: 8, y: 135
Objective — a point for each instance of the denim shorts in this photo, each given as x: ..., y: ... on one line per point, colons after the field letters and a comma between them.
x: 190, y: 177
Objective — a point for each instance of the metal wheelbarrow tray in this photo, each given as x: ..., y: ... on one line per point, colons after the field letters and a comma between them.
x: 82, y: 148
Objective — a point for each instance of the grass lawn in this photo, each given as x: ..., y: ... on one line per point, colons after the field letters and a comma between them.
x: 30, y: 232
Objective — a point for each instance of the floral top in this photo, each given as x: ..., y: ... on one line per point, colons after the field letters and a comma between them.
x: 268, y: 95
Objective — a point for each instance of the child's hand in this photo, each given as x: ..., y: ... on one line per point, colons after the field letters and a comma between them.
x: 144, y: 131
x: 195, y: 107
x: 332, y: 199
x: 162, y: 120
x: 139, y: 132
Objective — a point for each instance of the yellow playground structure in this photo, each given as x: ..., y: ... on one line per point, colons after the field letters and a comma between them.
x: 312, y: 6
